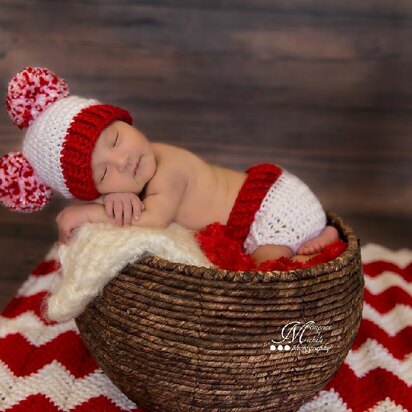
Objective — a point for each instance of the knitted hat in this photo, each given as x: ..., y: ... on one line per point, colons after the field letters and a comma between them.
x: 62, y: 131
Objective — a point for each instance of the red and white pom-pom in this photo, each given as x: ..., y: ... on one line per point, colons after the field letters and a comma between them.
x: 30, y: 92
x: 19, y: 188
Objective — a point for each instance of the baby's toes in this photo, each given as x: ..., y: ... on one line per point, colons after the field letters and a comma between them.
x: 317, y: 248
x: 312, y: 249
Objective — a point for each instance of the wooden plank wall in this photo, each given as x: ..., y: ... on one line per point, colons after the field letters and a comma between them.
x: 322, y: 87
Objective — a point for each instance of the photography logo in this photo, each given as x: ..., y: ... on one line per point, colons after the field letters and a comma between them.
x: 294, y: 339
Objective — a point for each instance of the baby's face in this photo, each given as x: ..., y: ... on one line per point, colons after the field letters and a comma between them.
x: 122, y: 160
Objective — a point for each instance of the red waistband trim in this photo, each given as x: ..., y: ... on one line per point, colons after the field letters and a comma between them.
x: 258, y: 181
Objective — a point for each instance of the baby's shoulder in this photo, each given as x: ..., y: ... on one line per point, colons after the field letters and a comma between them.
x: 171, y: 154
x: 176, y: 160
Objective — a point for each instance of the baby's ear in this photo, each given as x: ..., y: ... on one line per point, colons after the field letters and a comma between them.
x: 20, y: 189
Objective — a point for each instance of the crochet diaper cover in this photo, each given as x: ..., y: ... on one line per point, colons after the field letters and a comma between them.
x: 274, y: 207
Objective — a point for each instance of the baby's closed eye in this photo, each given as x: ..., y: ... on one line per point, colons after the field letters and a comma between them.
x: 116, y: 140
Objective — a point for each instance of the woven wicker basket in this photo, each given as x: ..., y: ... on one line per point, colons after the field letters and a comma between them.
x: 183, y: 338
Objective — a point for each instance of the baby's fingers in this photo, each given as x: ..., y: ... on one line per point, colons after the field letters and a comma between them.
x: 127, y: 213
x: 118, y: 212
x: 64, y: 234
x: 108, y: 207
x: 138, y: 207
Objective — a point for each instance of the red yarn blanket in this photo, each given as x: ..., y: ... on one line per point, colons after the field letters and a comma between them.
x: 45, y: 367
x: 227, y: 253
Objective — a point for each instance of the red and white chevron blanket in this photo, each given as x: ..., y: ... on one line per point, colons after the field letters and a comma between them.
x: 45, y: 367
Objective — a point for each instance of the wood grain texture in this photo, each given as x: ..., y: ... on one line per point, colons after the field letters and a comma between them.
x: 322, y: 88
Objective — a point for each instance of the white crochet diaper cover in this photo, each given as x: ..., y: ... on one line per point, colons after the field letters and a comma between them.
x: 289, y: 215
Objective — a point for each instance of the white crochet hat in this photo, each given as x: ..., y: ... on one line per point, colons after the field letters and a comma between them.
x: 61, y: 134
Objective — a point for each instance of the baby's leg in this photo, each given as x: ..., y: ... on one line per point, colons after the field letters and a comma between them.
x: 271, y: 252
x: 328, y: 235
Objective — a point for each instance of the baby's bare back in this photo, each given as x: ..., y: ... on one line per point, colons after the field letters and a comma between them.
x: 208, y: 192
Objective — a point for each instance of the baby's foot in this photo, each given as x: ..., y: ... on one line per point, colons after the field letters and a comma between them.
x: 315, y: 245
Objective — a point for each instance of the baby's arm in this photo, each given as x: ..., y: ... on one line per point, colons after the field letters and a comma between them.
x: 164, y: 198
x: 160, y: 210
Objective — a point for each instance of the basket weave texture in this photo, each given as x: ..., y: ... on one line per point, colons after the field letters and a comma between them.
x: 174, y: 337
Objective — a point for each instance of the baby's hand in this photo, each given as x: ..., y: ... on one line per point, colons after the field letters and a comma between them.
x: 123, y: 207
x: 70, y: 218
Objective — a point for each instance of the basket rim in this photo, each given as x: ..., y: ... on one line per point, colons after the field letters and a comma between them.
x: 350, y: 253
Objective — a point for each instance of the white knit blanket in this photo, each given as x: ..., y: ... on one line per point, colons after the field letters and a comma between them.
x: 100, y: 250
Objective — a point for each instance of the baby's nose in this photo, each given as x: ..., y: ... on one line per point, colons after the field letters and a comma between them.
x: 122, y: 162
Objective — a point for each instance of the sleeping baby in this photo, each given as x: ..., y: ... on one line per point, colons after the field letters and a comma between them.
x: 90, y: 151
